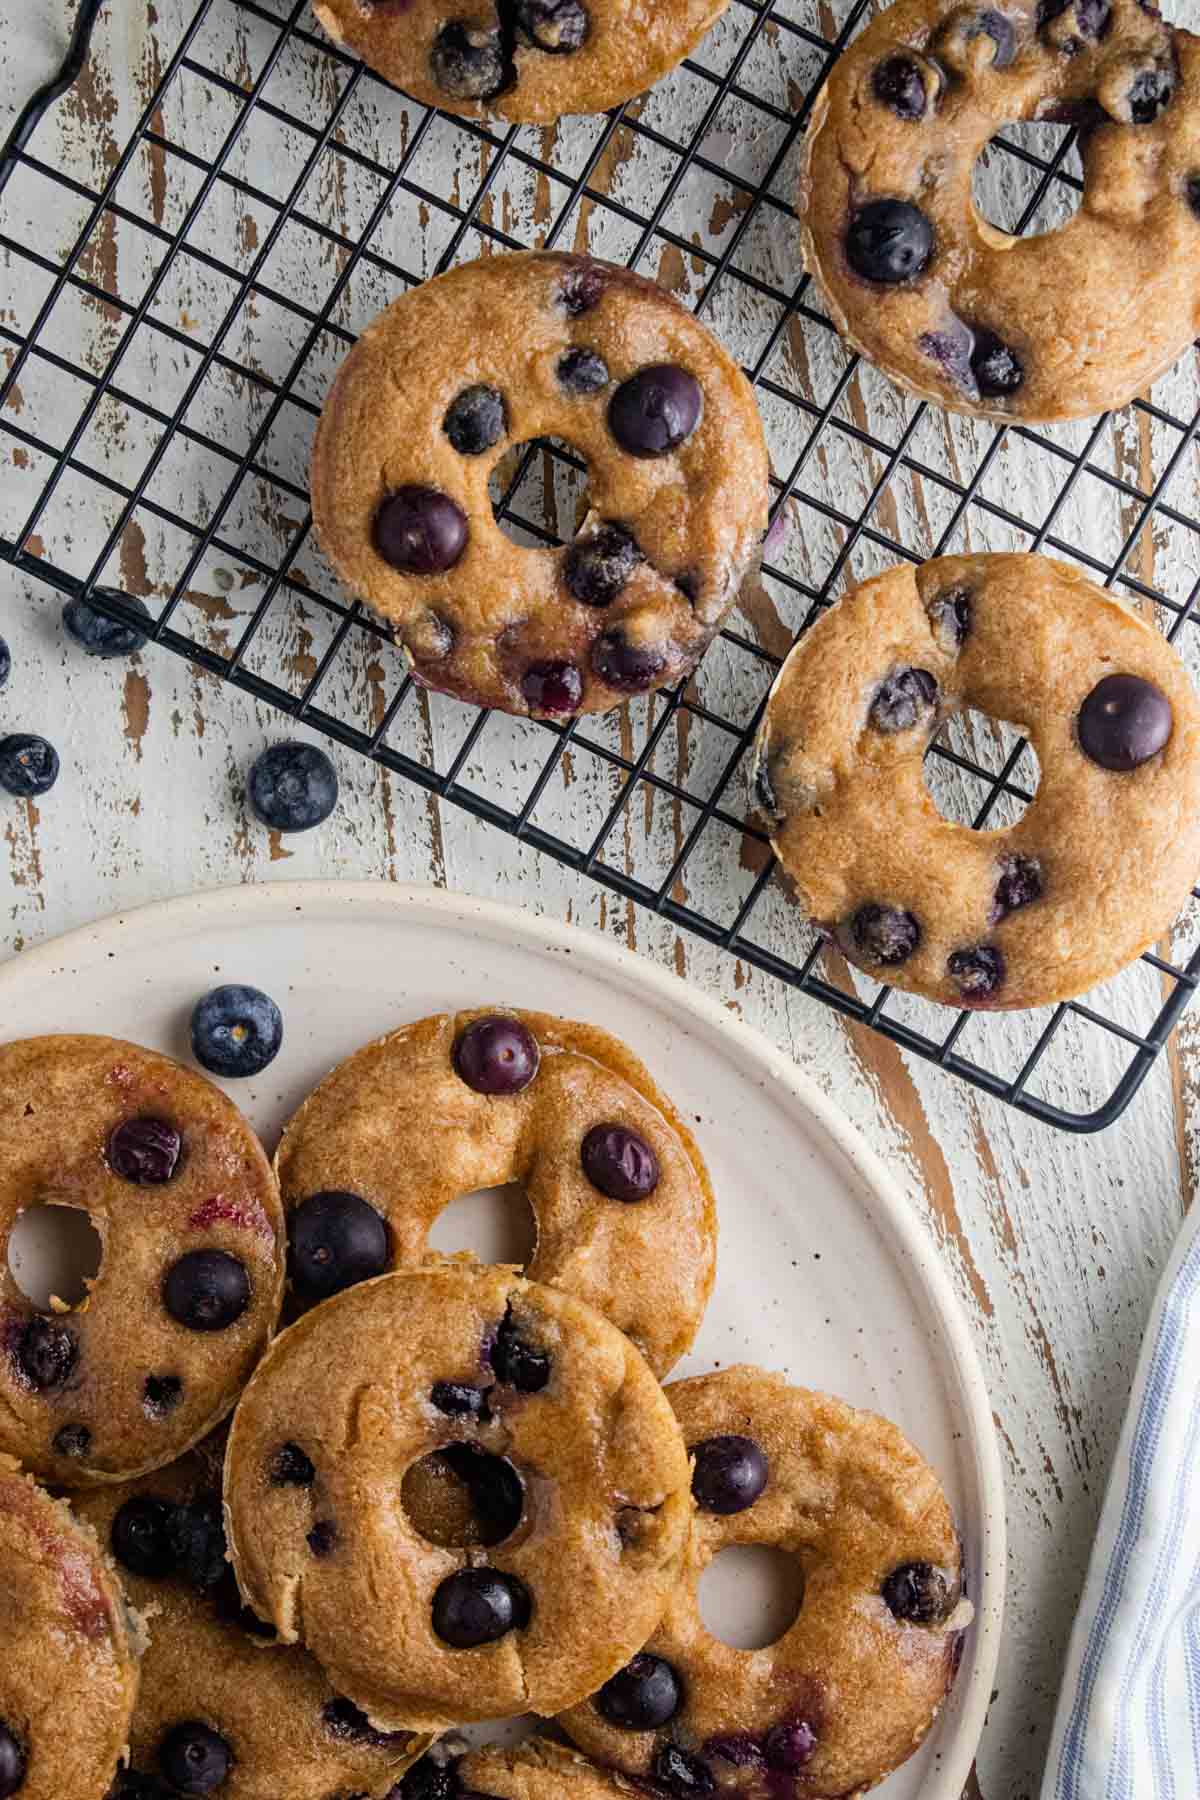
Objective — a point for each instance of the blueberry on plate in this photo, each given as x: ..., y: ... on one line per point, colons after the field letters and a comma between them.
x: 28, y: 765
x: 236, y: 1030
x: 293, y: 787
x: 99, y: 635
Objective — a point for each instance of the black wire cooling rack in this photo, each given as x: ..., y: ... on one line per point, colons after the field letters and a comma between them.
x: 694, y: 183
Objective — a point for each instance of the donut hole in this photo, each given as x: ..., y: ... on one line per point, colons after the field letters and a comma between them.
x: 539, y: 492
x: 750, y: 1595
x: 495, y: 1224
x: 971, y: 754
x: 460, y: 1497
x: 54, y: 1254
x: 1010, y: 177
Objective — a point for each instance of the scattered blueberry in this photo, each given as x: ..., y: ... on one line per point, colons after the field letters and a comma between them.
x: 28, y: 765
x: 478, y: 1606
x: 684, y: 1775
x: 468, y: 62
x: 917, y: 1594
x: 656, y: 410
x: 884, y: 934
x: 889, y: 241
x: 581, y: 288
x: 582, y: 372
x: 292, y: 787
x: 630, y: 668
x: 196, y: 1534
x: 72, y: 1440
x: 1124, y: 722
x: 597, y: 568
x: 420, y: 531
x: 236, y: 1030
x: 101, y: 636
x: 290, y: 1467
x: 140, y: 1536
x: 552, y: 689
x: 997, y: 368
x: 903, y: 698
x: 144, y: 1151
x: 46, y: 1353
x: 642, y: 1696
x: 458, y: 1400
x: 161, y: 1395
x: 194, y: 1759
x: 12, y: 1763
x: 322, y: 1539
x: 620, y: 1163
x: 517, y: 1363
x: 1150, y: 93
x: 206, y: 1290
x: 977, y: 973
x: 335, y: 1241
x: 475, y: 420
x: 789, y: 1747
x: 730, y: 1473
x: 950, y: 615
x: 497, y: 1055
x: 5, y: 662
x: 1020, y: 883
x: 900, y: 84
x: 493, y: 1486
x: 558, y: 26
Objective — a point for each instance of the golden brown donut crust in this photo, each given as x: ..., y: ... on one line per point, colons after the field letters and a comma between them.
x: 538, y: 1770
x: 630, y: 45
x: 1096, y: 310
x: 697, y: 514
x: 60, y: 1100
x: 606, y: 1512
x: 854, y: 824
x: 398, y: 1126
x: 265, y: 1700
x: 68, y: 1654
x: 850, y: 1497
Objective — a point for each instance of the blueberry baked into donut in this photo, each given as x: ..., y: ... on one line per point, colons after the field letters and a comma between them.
x: 1099, y: 864
x: 1058, y: 326
x: 436, y: 1476
x: 851, y: 1688
x: 182, y: 1197
x: 492, y: 355
x: 68, y: 1652
x: 220, y: 1709
x: 522, y: 59
x: 624, y: 1212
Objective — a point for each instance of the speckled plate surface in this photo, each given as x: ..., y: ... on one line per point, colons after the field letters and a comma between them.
x: 824, y: 1271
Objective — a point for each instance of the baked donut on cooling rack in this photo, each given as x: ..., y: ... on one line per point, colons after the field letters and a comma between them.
x: 853, y: 1685
x: 1059, y: 326
x: 487, y: 357
x: 521, y: 59
x: 1099, y: 864
x: 621, y: 1200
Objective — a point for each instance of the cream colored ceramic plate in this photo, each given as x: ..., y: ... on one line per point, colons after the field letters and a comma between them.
x: 824, y: 1273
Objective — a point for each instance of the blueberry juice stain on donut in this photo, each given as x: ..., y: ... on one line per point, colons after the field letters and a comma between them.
x: 446, y: 392
x: 1059, y: 325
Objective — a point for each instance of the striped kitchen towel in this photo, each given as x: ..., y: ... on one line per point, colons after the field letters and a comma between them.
x: 1128, y: 1720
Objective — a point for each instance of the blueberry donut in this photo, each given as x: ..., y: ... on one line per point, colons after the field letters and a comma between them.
x: 522, y: 59
x: 1097, y: 867
x: 851, y: 1688
x: 463, y: 1490
x: 183, y: 1200
x: 220, y: 1708
x: 619, y: 1192
x: 492, y: 355
x: 1058, y: 326
x: 535, y: 1770
x: 68, y: 1652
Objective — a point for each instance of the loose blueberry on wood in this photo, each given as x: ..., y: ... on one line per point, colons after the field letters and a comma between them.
x: 1124, y: 722
x: 917, y: 1594
x: 46, y: 1354
x: 140, y: 1536
x: 516, y: 1362
x: 292, y: 787
x: 684, y: 1775
x: 889, y: 242
x: 457, y: 1400
x: 901, y: 699
x: 899, y: 84
x: 29, y: 765
x: 642, y: 1696
x: 206, y: 1290
x: 72, y: 1440
x: 656, y: 410
x: 582, y: 372
x: 479, y: 1606
x: 469, y: 63
x: 557, y: 26
x: 290, y: 1467
x: 976, y: 973
x: 161, y: 1395
x: 420, y: 531
x: 475, y: 420
x: 497, y: 1055
x: 13, y: 1763
x: 552, y: 689
x: 1020, y: 883
x: 630, y: 668
x: 884, y: 934
x: 336, y: 1240
x: 730, y: 1473
x: 101, y: 636
x: 597, y: 568
x: 620, y: 1163
x: 144, y: 1151
x: 236, y: 1030
x: 194, y: 1759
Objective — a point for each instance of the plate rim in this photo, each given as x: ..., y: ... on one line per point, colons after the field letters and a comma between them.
x: 909, y: 1232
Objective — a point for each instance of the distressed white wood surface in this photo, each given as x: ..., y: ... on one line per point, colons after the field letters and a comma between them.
x: 1054, y: 1242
